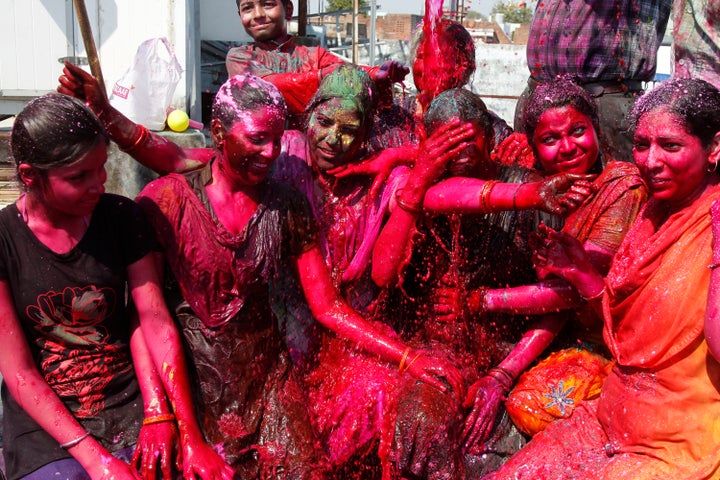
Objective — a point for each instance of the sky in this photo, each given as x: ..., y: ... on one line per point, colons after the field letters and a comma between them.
x: 414, y: 6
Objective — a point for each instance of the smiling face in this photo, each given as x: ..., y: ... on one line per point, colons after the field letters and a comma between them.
x: 251, y: 145
x: 335, y: 133
x: 673, y: 162
x: 265, y: 20
x: 565, y: 141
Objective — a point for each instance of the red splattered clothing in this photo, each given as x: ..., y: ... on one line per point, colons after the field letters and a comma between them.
x: 73, y: 311
x: 657, y: 415
x: 604, y: 220
x: 250, y: 406
x: 294, y: 69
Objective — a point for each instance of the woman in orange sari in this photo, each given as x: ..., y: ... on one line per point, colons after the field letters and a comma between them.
x: 657, y: 415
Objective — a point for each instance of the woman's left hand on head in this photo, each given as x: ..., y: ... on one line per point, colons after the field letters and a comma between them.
x: 157, y: 443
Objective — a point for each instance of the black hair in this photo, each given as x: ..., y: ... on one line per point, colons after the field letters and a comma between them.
x: 242, y: 93
x: 696, y: 103
x: 560, y: 92
x: 53, y: 131
x: 458, y: 103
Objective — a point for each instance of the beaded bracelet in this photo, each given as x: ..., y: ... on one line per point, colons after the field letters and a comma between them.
x: 167, y: 417
x: 72, y: 443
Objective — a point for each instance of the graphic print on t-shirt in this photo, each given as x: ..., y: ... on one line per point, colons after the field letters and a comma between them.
x: 75, y: 354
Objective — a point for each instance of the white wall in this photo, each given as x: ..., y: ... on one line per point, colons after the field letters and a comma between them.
x: 219, y: 20
x: 34, y: 34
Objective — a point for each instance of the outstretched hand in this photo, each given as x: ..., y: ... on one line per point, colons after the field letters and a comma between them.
x: 379, y: 166
x: 485, y: 397
x: 78, y: 83
x: 392, y: 71
x: 563, y: 193
x: 156, y: 444
x: 514, y: 150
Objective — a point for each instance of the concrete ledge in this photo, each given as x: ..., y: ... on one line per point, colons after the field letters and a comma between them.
x: 125, y: 176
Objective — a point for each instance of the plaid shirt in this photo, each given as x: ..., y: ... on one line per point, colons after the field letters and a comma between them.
x: 596, y: 40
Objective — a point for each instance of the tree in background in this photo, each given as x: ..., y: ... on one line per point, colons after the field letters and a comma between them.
x: 333, y: 5
x: 514, y: 13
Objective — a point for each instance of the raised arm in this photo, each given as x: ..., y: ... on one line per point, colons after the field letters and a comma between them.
x: 558, y: 194
x: 37, y: 399
x: 394, y: 243
x: 167, y: 355
x: 151, y: 150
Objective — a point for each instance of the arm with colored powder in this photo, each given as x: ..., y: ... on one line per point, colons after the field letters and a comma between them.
x: 151, y: 150
x: 334, y: 313
x: 42, y: 404
x: 158, y: 436
x: 199, y: 459
x: 486, y: 395
x: 394, y: 243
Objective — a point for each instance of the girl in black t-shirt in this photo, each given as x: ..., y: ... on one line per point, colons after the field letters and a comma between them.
x: 73, y: 361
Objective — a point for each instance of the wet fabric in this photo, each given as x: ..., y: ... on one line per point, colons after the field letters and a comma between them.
x: 604, y: 220
x: 552, y: 388
x: 657, y: 415
x: 251, y: 408
x: 73, y: 310
x: 467, y: 251
x: 696, y: 40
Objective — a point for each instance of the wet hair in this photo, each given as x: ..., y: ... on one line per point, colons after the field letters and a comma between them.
x: 54, y: 131
x: 451, y: 34
x: 458, y: 103
x: 348, y: 82
x: 561, y: 92
x: 242, y: 93
x: 696, y: 103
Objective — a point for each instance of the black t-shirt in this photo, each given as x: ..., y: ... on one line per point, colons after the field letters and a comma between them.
x: 73, y: 309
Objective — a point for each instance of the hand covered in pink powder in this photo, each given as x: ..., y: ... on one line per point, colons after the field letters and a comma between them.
x: 444, y: 144
x: 157, y: 443
x: 77, y: 83
x: 563, y: 193
x: 436, y: 372
x: 514, y: 150
x: 563, y: 255
x: 379, y: 166
x: 202, y: 462
x: 485, y: 397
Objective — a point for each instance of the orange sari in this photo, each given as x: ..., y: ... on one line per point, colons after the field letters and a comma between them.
x: 658, y: 415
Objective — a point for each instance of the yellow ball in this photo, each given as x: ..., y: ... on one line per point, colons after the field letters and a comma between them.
x: 178, y: 121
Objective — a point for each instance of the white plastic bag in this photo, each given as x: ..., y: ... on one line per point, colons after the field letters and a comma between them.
x: 145, y: 91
